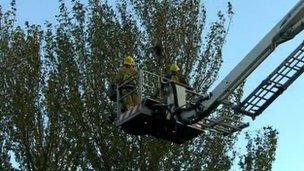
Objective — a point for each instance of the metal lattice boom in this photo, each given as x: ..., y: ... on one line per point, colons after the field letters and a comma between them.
x: 277, y: 82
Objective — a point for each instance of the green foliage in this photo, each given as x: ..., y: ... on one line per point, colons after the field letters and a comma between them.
x: 53, y: 85
x: 260, y: 150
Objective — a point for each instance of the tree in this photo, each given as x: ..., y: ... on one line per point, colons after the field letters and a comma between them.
x: 54, y: 79
x: 260, y: 150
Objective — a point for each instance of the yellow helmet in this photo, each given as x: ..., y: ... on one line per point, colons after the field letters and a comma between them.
x: 128, y: 60
x: 174, y: 68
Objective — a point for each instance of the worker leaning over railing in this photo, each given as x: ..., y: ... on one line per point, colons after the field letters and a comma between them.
x: 126, y: 80
x: 167, y: 90
x: 175, y: 76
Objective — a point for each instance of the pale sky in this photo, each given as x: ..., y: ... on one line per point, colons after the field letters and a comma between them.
x: 253, y: 19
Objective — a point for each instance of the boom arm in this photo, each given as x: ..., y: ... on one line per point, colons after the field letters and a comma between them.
x: 286, y: 29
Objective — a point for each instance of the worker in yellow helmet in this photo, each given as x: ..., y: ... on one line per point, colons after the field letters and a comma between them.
x: 172, y: 76
x: 174, y: 73
x: 127, y: 74
x: 175, y: 76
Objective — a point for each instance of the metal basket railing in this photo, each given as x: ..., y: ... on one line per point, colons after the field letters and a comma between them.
x: 150, y: 86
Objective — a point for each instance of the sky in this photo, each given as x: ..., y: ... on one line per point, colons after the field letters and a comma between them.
x: 252, y: 20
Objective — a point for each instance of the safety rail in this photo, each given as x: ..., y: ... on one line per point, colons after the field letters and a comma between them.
x: 225, y: 125
x: 150, y: 86
x: 155, y: 91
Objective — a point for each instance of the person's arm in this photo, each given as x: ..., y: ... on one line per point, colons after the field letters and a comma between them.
x: 166, y: 78
x: 184, y: 81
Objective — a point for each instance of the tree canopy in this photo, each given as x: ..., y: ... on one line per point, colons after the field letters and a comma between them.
x: 53, y: 82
